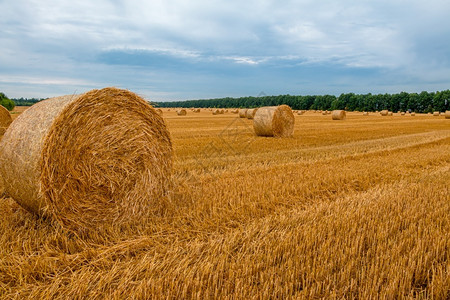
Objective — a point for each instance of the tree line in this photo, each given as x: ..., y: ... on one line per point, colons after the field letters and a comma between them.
x: 418, y: 102
x: 27, y: 101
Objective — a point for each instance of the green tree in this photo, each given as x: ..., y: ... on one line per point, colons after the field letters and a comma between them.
x: 6, y: 102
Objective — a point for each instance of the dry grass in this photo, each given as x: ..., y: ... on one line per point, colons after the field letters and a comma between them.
x: 259, y: 218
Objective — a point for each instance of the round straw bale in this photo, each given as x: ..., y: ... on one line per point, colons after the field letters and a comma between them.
x: 221, y: 111
x: 365, y: 113
x: 5, y: 119
x: 88, y: 161
x: 215, y: 112
x: 384, y: 112
x: 436, y: 114
x: 159, y: 111
x: 277, y: 121
x: 250, y: 114
x: 413, y: 114
x: 390, y: 113
x: 181, y: 112
x: 300, y: 112
x: 338, y: 115
x: 402, y: 113
x: 243, y: 113
x: 235, y: 111
x: 447, y: 114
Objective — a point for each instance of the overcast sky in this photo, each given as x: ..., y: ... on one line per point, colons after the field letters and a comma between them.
x: 180, y: 49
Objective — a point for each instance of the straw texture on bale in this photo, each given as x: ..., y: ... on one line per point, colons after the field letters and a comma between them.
x: 242, y: 113
x: 276, y: 121
x: 384, y: 112
x: 250, y: 113
x: 88, y: 161
x: 338, y: 115
x: 447, y: 114
x: 5, y: 120
x: 181, y: 112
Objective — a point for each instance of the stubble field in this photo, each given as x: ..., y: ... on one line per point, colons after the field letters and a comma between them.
x: 358, y: 208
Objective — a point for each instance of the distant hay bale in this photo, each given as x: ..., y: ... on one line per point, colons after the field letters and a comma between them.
x: 436, y: 114
x: 384, y: 112
x: 242, y: 113
x: 300, y: 112
x: 365, y: 113
x: 250, y: 113
x: 413, y: 114
x: 447, y: 114
x: 215, y: 112
x: 324, y: 113
x: 181, y: 112
x: 197, y: 110
x: 88, y: 161
x: 5, y: 119
x: 338, y: 115
x: 221, y: 111
x: 235, y: 111
x: 159, y: 111
x: 276, y: 121
x: 402, y: 113
x: 390, y: 113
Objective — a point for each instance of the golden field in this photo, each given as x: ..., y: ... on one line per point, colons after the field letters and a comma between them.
x: 350, y: 209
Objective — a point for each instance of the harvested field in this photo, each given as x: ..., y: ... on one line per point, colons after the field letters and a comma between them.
x: 354, y: 209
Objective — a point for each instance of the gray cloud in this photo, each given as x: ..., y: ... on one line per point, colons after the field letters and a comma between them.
x: 173, y: 49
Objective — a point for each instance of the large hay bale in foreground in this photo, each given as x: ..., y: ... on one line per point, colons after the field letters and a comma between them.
x: 88, y: 161
x: 447, y: 114
x: 242, y: 113
x: 277, y: 121
x: 384, y: 112
x: 338, y: 115
x: 5, y: 120
x: 181, y: 112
